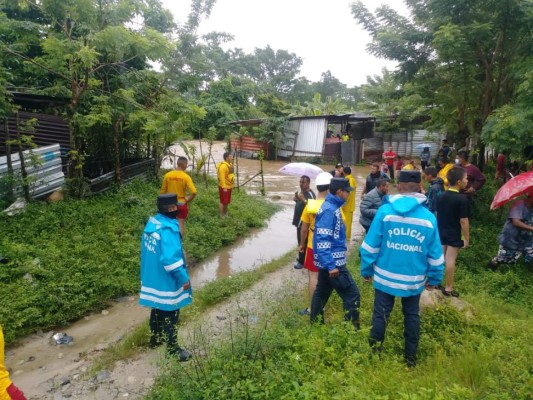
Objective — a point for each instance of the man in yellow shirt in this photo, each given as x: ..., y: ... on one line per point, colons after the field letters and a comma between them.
x: 445, y: 165
x: 349, y: 207
x: 8, y: 391
x: 307, y: 228
x: 226, y: 177
x: 179, y: 182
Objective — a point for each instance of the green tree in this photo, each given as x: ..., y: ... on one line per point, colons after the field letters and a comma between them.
x: 458, y: 54
x: 318, y: 107
x: 510, y: 127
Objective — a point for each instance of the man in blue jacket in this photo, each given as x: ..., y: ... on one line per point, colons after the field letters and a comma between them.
x: 402, y: 251
x: 329, y: 246
x: 165, y: 284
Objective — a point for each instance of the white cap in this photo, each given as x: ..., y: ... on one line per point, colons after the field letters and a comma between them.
x: 323, y: 178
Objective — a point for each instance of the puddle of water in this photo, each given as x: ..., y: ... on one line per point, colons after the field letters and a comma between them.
x: 260, y: 247
x: 98, y: 330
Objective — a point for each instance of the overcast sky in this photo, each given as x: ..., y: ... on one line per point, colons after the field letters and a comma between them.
x: 322, y: 32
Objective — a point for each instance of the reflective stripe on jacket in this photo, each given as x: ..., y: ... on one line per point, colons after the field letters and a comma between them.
x: 402, y: 248
x: 329, y: 240
x: 163, y: 270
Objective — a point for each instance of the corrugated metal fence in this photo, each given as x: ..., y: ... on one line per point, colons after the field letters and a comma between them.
x: 405, y: 143
x: 43, y: 166
x: 49, y: 130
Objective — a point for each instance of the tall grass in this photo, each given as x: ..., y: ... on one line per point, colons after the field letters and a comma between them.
x: 484, y: 353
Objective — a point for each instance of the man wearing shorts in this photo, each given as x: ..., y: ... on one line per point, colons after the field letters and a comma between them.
x: 307, y: 229
x: 226, y: 177
x: 454, y: 227
x: 179, y: 182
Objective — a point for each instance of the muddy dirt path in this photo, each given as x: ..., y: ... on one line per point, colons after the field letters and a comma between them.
x: 45, y: 371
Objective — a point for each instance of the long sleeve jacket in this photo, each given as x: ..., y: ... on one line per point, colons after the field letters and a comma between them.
x: 329, y: 240
x: 163, y: 270
x: 369, y: 206
x: 402, y: 249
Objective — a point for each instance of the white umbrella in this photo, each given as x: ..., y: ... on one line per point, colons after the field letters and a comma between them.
x: 423, y: 145
x: 301, y: 168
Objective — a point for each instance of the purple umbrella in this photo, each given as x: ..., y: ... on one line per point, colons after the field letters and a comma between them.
x: 301, y: 168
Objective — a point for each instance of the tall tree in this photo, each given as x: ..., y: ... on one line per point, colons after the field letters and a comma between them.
x: 459, y: 53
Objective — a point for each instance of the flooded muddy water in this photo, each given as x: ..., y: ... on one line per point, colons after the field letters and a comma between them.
x: 35, y: 363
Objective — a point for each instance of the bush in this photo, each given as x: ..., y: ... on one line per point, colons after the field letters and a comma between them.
x: 68, y: 258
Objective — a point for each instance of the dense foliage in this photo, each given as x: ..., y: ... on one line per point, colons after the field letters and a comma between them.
x: 480, y: 352
x: 461, y: 59
x: 68, y: 258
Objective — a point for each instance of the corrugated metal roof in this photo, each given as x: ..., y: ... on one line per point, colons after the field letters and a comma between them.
x: 337, y: 117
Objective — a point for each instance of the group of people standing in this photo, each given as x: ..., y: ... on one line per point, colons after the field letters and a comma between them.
x: 401, y: 252
x: 412, y: 238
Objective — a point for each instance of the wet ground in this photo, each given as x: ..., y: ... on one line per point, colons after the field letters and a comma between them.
x: 35, y: 363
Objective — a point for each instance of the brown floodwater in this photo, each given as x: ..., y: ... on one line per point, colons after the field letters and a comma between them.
x: 96, y: 331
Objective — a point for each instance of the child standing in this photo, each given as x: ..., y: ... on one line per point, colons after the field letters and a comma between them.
x: 435, y: 190
x: 452, y: 220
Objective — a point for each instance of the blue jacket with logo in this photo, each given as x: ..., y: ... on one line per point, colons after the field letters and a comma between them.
x: 329, y: 239
x: 402, y: 248
x: 163, y: 269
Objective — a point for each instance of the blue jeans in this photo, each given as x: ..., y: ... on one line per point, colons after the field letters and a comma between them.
x: 383, y: 303
x: 345, y: 287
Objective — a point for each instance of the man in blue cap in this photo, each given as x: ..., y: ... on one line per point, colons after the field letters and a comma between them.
x: 403, y: 253
x: 329, y: 245
x: 165, y: 284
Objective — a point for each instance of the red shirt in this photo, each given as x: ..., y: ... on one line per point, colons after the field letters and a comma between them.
x: 389, y: 161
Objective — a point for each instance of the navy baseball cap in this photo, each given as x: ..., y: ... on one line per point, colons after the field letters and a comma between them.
x: 409, y: 176
x: 340, y: 183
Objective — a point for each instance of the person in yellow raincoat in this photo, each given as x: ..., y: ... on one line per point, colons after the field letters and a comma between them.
x: 349, y: 207
x: 445, y: 165
x: 8, y: 391
x: 307, y: 228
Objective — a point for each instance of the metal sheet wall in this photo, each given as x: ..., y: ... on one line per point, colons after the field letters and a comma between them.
x: 404, y: 144
x: 46, y: 175
x: 286, y: 149
x: 310, y: 139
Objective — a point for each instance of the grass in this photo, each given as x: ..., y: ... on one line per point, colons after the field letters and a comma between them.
x: 483, y: 354
x: 209, y: 295
x: 69, y: 258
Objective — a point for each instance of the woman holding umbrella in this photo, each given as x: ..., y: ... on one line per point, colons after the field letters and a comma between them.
x: 516, y: 238
x: 425, y: 158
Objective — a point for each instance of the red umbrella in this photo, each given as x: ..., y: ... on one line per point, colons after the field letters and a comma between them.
x: 517, y: 186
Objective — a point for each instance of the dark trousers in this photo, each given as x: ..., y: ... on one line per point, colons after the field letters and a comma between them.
x: 383, y: 303
x: 345, y: 287
x: 301, y: 256
x: 391, y: 171
x: 424, y: 164
x: 164, y: 329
